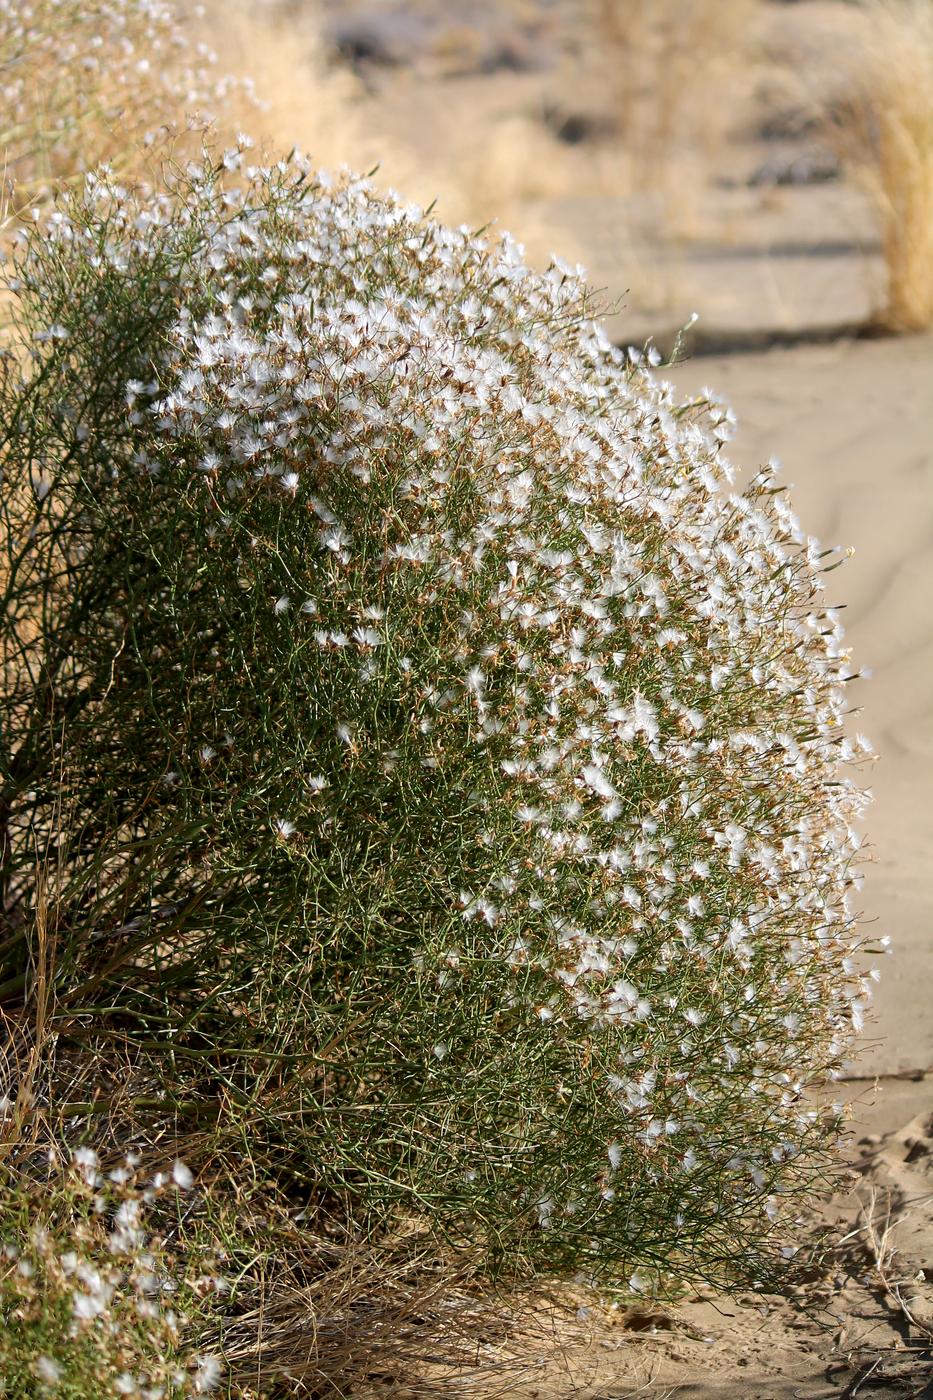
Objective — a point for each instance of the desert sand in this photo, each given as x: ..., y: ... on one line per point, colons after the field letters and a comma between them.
x: 501, y: 110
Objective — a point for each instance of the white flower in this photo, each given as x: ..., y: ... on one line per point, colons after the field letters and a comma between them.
x: 48, y: 1370
x: 596, y: 779
x: 87, y: 1306
x: 182, y: 1177
x: 208, y: 1374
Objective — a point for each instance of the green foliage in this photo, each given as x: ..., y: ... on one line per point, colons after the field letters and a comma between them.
x: 452, y: 804
x: 91, y: 1302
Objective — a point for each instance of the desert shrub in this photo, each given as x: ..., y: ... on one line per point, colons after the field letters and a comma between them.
x: 91, y: 1301
x: 454, y: 791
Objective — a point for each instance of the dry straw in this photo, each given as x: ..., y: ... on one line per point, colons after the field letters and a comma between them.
x: 885, y: 129
x: 671, y: 66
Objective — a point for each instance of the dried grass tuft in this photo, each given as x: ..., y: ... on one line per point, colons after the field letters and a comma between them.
x: 306, y: 100
x: 341, y: 1316
x: 309, y: 1305
x: 670, y: 64
x: 886, y: 132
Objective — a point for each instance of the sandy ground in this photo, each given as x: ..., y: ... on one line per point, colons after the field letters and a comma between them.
x: 773, y: 245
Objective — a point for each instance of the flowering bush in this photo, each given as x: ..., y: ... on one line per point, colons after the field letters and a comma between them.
x: 453, y: 761
x: 87, y: 80
x: 89, y: 1300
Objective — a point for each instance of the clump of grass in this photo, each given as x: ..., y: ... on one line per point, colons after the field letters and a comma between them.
x: 115, y: 1283
x: 669, y: 64
x: 455, y: 761
x: 885, y: 130
x: 498, y: 167
x: 330, y: 1313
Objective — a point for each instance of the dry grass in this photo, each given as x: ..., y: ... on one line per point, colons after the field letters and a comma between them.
x: 315, y: 1308
x: 886, y: 132
x: 340, y: 1316
x: 508, y: 173
x: 907, y: 1363
x: 672, y: 66
x: 494, y: 166
x: 878, y: 1222
x: 91, y: 83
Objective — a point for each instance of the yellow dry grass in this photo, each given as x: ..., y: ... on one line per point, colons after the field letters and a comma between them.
x: 886, y: 132
x: 672, y: 67
x: 91, y: 83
